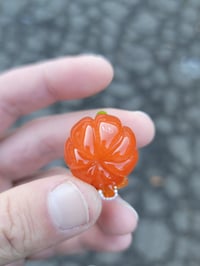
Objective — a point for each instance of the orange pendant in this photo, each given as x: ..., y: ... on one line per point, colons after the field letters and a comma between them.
x: 101, y: 152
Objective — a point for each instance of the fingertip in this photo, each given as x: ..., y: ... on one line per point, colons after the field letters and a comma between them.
x: 140, y: 122
x: 73, y: 204
x: 77, y: 77
x: 130, y: 212
x: 118, y: 218
x: 146, y: 135
x: 100, y: 60
x: 99, y: 65
x: 92, y: 198
x: 124, y: 242
x: 118, y: 243
x: 57, y: 208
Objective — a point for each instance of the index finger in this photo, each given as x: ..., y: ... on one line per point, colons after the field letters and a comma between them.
x: 27, y: 89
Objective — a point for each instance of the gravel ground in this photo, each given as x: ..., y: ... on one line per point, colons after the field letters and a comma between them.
x: 154, y: 46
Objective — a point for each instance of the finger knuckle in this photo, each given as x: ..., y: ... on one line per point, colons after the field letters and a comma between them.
x: 44, y: 144
x: 47, y: 147
x: 15, y: 231
x: 9, y: 109
x: 50, y: 89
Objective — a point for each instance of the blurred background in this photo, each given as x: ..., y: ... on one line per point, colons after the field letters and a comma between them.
x: 154, y: 46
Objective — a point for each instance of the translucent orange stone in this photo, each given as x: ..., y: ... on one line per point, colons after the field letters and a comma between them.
x: 101, y: 152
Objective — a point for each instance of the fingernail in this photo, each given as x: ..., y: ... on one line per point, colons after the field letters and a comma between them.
x: 67, y: 207
x: 128, y: 206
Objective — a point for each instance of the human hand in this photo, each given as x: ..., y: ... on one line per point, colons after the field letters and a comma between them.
x: 49, y: 212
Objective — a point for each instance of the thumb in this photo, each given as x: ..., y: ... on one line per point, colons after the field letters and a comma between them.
x: 42, y: 213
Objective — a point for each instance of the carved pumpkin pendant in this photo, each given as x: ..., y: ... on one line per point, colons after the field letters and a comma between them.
x: 101, y: 152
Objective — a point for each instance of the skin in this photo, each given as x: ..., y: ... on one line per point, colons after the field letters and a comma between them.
x: 26, y: 229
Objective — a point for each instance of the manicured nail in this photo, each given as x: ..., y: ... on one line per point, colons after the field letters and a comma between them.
x: 67, y: 207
